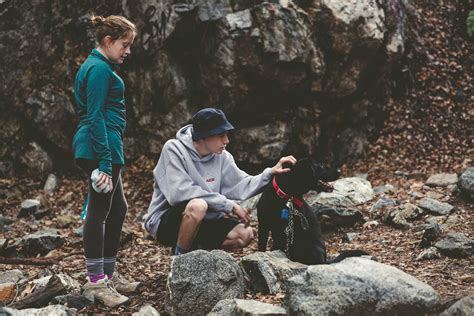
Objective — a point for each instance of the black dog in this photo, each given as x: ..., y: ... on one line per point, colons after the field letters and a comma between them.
x: 305, y: 242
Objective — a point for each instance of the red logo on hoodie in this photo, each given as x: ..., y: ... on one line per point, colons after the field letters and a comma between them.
x: 210, y: 180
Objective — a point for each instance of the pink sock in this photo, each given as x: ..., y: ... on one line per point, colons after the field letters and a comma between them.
x: 97, y: 277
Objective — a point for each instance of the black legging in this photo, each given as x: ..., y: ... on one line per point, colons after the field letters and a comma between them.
x: 105, y: 215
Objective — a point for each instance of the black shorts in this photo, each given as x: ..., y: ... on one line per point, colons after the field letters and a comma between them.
x: 211, y: 234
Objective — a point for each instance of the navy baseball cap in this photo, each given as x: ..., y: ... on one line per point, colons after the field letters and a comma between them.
x: 209, y: 122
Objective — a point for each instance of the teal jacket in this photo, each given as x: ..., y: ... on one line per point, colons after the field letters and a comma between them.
x: 100, y: 98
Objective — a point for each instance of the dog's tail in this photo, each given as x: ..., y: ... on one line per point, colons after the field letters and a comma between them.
x: 347, y: 254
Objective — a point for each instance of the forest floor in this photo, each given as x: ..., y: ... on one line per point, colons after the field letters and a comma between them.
x: 428, y: 131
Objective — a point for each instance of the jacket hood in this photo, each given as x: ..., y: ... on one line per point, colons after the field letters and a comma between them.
x: 184, y: 135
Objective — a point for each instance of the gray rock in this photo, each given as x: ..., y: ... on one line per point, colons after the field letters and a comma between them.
x: 358, y: 286
x: 430, y: 234
x: 40, y: 242
x: 349, y: 237
x: 463, y: 307
x: 267, y: 272
x: 66, y: 220
x: 401, y: 174
x: 73, y: 300
x: 28, y: 207
x: 400, y: 215
x: 42, y: 213
x: 384, y: 189
x: 466, y: 182
x: 147, y: 310
x: 435, y: 206
x: 370, y: 224
x: 57, y: 310
x: 442, y: 180
x: 246, y: 307
x: 51, y: 183
x: 348, y: 192
x: 69, y: 283
x: 200, y: 279
x: 383, y: 204
x: 6, y: 220
x: 428, y: 254
x: 11, y: 276
x: 335, y: 217
x: 456, y: 245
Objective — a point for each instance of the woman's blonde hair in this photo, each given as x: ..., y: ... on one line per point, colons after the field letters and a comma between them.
x: 115, y: 26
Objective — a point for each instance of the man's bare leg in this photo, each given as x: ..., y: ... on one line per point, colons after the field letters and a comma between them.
x: 193, y: 215
x: 239, y: 237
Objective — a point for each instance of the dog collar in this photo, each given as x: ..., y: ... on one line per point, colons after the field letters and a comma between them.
x: 283, y: 195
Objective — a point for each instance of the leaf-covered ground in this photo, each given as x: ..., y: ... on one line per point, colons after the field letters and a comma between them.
x: 428, y: 131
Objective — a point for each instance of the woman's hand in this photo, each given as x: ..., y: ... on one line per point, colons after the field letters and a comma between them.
x: 278, y: 168
x: 103, y: 182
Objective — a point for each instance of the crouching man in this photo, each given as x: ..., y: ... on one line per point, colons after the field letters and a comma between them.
x: 195, y: 184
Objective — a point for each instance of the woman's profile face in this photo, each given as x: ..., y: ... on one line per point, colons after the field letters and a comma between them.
x: 119, y: 49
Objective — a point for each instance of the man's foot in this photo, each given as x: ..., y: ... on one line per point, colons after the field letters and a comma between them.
x: 122, y: 285
x: 103, y: 292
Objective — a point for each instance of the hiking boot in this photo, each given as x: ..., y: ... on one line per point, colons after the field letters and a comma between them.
x: 103, y: 292
x: 122, y: 285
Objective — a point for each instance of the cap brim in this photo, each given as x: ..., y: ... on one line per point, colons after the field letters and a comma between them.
x: 222, y: 129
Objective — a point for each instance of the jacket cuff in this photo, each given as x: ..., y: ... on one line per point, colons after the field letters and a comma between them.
x: 229, y: 206
x: 105, y: 167
x: 267, y: 174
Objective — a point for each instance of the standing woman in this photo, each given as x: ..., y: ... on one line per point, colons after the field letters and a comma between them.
x: 98, y: 150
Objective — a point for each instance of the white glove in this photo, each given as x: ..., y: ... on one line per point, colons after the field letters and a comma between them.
x: 105, y: 187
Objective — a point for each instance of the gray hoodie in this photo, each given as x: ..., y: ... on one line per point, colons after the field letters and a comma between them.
x: 181, y: 174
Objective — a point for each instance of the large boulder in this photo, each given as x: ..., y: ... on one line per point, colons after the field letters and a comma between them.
x: 200, y: 279
x: 267, y: 272
x: 358, y: 286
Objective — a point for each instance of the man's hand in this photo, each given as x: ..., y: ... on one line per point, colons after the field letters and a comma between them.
x: 242, y: 214
x: 278, y: 168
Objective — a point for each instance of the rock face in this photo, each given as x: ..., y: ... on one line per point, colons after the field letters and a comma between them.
x: 282, y: 72
x: 358, y: 286
x: 200, y: 279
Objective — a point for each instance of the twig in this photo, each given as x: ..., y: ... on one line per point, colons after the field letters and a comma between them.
x: 37, y: 261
